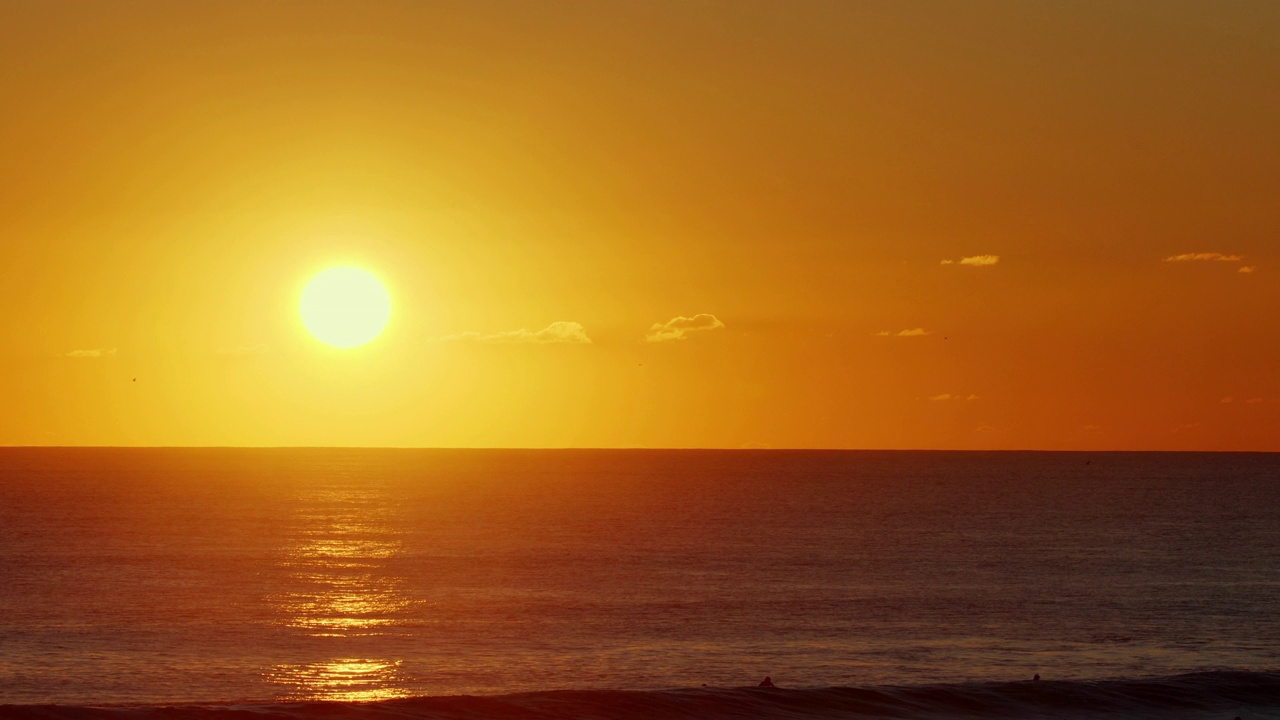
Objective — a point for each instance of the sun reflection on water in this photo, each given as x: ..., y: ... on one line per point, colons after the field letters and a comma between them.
x: 341, y: 586
x: 346, y: 680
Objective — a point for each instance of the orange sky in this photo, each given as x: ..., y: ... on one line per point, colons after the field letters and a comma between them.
x: 541, y: 184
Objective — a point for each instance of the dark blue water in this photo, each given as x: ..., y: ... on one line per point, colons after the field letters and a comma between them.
x: 266, y: 576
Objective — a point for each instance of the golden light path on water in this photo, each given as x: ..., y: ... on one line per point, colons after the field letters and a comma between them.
x: 338, y: 561
x: 344, y: 680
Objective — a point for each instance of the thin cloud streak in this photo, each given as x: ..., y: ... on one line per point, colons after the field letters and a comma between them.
x: 910, y: 332
x: 1203, y: 257
x: 975, y: 260
x: 557, y: 332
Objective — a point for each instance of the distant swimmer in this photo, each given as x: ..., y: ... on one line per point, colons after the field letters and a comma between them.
x: 1035, y: 678
x: 767, y: 682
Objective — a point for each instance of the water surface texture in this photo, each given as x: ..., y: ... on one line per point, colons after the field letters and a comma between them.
x: 184, y: 576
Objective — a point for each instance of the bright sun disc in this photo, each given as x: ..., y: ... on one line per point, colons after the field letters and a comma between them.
x: 345, y: 306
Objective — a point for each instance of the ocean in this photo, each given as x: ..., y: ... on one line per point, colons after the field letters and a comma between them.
x: 638, y: 583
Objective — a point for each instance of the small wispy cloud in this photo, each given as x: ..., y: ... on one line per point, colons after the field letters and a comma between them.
x: 975, y: 260
x: 1254, y: 401
x: 96, y: 353
x: 1227, y: 400
x: 909, y: 332
x: 953, y: 396
x: 1091, y: 429
x: 1203, y: 257
x: 678, y: 328
x: 1246, y: 269
x: 557, y: 332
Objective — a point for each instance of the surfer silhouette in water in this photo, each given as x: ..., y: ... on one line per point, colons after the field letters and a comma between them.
x: 767, y: 682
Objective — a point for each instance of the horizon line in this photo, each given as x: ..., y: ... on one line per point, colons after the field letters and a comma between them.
x: 618, y: 448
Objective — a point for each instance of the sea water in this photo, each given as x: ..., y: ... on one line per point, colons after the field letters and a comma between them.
x: 138, y: 577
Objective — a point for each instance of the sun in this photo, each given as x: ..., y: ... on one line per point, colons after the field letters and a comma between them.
x: 345, y: 306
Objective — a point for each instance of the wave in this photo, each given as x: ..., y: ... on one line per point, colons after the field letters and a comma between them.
x: 1217, y: 695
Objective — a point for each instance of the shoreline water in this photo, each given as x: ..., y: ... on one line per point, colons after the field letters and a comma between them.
x: 1210, y: 695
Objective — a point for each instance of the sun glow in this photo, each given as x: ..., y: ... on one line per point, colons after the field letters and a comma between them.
x: 345, y: 306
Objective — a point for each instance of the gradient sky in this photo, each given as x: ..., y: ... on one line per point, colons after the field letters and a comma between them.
x: 1025, y: 224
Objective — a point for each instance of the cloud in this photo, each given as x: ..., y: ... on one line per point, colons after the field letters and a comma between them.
x: 1247, y: 269
x: 1201, y: 256
x: 677, y: 327
x: 557, y: 332
x: 975, y: 260
x: 1091, y: 429
x: 1251, y: 401
x: 910, y: 332
x: 953, y: 396
x: 98, y: 353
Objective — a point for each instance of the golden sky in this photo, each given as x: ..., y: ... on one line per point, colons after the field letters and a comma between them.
x: 839, y: 224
